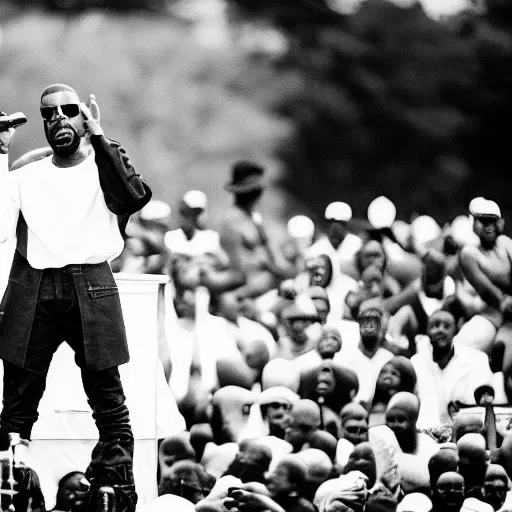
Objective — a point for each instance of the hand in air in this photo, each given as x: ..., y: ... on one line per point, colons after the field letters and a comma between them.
x: 91, y: 115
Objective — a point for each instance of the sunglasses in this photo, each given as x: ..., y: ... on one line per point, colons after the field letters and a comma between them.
x: 69, y: 110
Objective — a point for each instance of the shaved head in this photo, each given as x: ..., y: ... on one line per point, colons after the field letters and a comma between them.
x: 57, y: 88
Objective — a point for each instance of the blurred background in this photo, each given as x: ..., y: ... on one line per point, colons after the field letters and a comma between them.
x: 339, y: 99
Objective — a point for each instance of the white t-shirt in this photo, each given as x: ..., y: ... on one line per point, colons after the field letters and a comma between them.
x: 66, y: 214
x: 203, y: 242
x: 436, y: 388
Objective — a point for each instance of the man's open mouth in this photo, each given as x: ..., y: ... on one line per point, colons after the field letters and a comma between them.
x: 63, y: 135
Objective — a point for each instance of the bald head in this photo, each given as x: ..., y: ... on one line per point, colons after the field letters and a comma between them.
x: 51, y: 89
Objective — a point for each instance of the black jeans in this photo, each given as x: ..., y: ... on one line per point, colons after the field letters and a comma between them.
x: 57, y: 319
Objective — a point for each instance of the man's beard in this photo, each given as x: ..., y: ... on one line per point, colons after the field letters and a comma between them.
x: 246, y: 471
x: 67, y: 150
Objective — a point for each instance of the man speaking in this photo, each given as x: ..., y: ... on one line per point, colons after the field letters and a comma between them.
x: 68, y: 211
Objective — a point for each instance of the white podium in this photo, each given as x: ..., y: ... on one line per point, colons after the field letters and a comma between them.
x: 65, y: 434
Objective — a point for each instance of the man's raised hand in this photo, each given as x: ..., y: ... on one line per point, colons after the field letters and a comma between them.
x: 91, y: 115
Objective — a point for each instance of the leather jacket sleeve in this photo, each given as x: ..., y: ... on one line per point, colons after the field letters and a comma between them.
x: 124, y: 190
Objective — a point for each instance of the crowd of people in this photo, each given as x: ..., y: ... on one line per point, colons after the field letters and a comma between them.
x: 356, y: 366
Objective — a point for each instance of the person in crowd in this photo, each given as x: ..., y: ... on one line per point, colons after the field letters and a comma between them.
x: 496, y: 486
x: 324, y: 441
x: 412, y: 307
x: 362, y: 459
x: 228, y: 413
x: 138, y: 257
x: 251, y: 462
x: 473, y: 463
x: 320, y: 469
x: 301, y: 336
x: 396, y: 375
x: 338, y: 242
x: 70, y: 244
x: 369, y: 358
x: 301, y: 233
x: 255, y: 268
x: 192, y: 238
x: 414, y: 449
x: 328, y: 345
x: 354, y: 430
x: 323, y: 272
x: 372, y: 253
x: 448, y: 492
x: 271, y: 413
x: 71, y: 492
x: 321, y: 301
x: 330, y: 385
x: 188, y: 479
x: 304, y: 422
x: 453, y: 372
x: 173, y: 449
x: 488, y: 269
x: 445, y: 460
x: 287, y: 482
x: 371, y: 286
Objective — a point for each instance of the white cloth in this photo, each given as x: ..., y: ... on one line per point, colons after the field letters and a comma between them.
x: 204, y: 241
x: 413, y: 468
x: 350, y: 335
x: 67, y: 218
x: 474, y: 505
x: 436, y: 388
x: 343, y: 450
x: 367, y: 369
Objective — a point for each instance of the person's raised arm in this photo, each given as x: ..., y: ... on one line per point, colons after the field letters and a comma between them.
x: 124, y: 190
x: 489, y: 292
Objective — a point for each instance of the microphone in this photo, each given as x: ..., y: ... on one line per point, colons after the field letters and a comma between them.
x: 12, y: 121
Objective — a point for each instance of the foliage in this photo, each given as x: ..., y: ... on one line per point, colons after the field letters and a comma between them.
x: 392, y: 102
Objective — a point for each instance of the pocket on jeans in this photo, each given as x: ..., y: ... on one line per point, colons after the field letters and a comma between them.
x: 96, y: 292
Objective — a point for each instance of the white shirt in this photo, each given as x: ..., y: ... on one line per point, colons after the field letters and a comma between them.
x: 367, y: 369
x: 67, y: 218
x: 436, y: 388
x: 203, y: 241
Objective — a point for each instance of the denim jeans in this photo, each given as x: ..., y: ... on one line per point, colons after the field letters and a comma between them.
x: 57, y: 319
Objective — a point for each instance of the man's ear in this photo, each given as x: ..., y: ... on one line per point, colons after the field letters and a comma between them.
x: 501, y: 225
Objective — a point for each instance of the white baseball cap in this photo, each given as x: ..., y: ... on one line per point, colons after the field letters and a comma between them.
x: 480, y: 207
x: 338, y: 211
x: 300, y: 226
x: 381, y: 213
x: 155, y: 210
x: 195, y: 199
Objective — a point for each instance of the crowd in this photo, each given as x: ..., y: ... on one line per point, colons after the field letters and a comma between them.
x: 352, y: 366
x: 355, y: 367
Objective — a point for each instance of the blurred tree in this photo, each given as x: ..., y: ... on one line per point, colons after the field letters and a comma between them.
x: 388, y: 101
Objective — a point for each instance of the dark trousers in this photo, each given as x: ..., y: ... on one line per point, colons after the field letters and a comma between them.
x: 57, y: 319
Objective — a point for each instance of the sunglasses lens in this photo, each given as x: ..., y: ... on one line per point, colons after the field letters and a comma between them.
x: 47, y: 112
x: 71, y: 110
